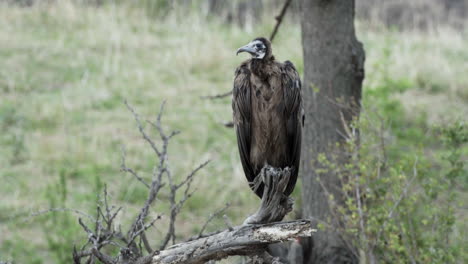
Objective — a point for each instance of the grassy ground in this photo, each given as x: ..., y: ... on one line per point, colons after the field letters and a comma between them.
x: 65, y: 72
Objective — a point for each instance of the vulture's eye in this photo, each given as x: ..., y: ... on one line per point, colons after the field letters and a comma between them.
x: 258, y: 46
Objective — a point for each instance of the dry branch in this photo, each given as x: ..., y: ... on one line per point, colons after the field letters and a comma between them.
x: 243, y: 240
x: 212, y: 216
x: 251, y: 239
x: 102, y: 229
x: 279, y: 19
x: 228, y: 124
x: 217, y: 96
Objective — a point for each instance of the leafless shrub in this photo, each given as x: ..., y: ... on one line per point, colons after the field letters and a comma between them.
x: 133, y: 246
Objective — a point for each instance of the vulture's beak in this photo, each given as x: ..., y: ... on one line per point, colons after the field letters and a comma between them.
x: 247, y: 48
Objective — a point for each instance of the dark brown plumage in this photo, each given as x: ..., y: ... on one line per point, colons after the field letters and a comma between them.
x: 268, y: 114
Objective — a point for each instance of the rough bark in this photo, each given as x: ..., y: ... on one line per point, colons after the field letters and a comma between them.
x: 333, y: 75
x: 243, y: 240
x: 275, y: 205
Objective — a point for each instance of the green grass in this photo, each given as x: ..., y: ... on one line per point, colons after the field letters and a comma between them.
x: 66, y: 70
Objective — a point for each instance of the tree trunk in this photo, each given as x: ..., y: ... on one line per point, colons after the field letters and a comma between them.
x: 333, y: 75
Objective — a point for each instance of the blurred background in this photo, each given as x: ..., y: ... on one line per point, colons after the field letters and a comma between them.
x: 67, y: 66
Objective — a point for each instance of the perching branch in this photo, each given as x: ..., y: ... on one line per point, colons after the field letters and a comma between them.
x: 279, y: 19
x: 242, y: 241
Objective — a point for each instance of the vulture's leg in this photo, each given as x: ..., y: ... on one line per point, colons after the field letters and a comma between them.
x: 275, y: 204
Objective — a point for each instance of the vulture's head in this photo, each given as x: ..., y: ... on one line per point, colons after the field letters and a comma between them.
x: 259, y: 48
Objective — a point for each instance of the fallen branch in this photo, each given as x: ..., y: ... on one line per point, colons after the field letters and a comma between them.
x: 242, y: 241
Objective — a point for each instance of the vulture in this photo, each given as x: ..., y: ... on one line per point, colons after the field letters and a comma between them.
x: 267, y: 113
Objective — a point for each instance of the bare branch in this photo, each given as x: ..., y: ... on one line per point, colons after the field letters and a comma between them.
x: 279, y: 19
x: 124, y: 168
x: 142, y: 230
x: 176, y: 206
x: 148, y: 247
x: 228, y: 124
x: 243, y: 240
x: 217, y: 96
x: 90, y: 233
x: 102, y: 257
x: 189, y: 177
x: 403, y: 194
x: 142, y: 130
x: 212, y: 216
x: 228, y: 222
x: 156, y: 184
x: 159, y: 128
x: 77, y: 255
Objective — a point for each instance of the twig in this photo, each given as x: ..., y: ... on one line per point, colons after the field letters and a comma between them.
x: 216, y: 96
x: 403, y: 194
x: 212, y: 216
x: 124, y: 168
x: 228, y: 222
x: 148, y: 247
x: 360, y: 209
x: 77, y: 255
x: 102, y: 257
x: 99, y: 236
x: 189, y: 178
x: 159, y: 128
x: 143, y: 229
x: 138, y: 226
x: 176, y: 206
x: 142, y: 131
x: 228, y: 124
x: 279, y: 19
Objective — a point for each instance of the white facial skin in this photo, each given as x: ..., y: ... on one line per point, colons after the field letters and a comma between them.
x: 260, y: 49
x: 256, y: 48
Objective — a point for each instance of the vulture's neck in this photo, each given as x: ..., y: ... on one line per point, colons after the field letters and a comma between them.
x: 261, y: 67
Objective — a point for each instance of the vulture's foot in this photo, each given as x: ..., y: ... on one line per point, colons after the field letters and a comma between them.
x: 275, y: 204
